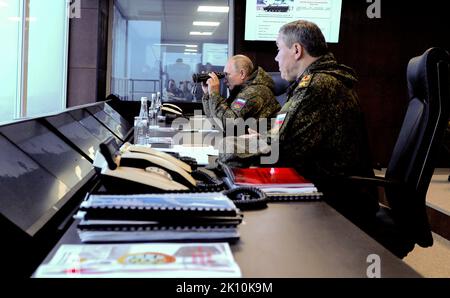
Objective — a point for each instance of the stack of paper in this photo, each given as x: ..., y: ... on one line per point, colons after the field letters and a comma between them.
x: 158, y: 217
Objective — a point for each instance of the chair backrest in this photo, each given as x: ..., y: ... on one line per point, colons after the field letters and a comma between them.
x: 281, y: 86
x: 421, y: 135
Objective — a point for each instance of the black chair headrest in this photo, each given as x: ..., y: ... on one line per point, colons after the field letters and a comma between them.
x: 281, y: 85
x: 417, y: 75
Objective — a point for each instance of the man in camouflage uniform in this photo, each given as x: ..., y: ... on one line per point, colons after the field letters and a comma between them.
x: 320, y: 129
x: 251, y: 94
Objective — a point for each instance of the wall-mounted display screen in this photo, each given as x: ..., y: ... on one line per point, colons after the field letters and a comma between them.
x: 263, y: 18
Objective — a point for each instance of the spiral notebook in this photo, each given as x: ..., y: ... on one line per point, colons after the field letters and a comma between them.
x: 280, y: 184
x: 135, y: 233
x: 161, y: 206
x: 158, y: 217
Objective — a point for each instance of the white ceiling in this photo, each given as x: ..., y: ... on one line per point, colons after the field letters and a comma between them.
x: 176, y: 18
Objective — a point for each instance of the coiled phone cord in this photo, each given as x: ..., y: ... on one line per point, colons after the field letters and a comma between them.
x: 247, y: 198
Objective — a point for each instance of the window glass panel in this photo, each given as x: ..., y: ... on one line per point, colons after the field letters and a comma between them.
x: 158, y: 45
x: 47, y: 57
x: 119, y: 67
x: 10, y: 28
x: 143, y: 57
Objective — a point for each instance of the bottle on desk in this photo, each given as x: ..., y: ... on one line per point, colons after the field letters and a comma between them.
x: 158, y: 103
x: 143, y: 113
x: 153, y: 112
x: 141, y: 124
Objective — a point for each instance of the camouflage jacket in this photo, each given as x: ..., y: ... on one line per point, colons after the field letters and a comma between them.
x: 323, y: 131
x: 320, y: 128
x: 320, y: 131
x: 253, y: 99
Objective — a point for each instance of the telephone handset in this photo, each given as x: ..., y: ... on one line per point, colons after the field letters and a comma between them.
x: 171, y: 112
x: 142, y: 157
x: 151, y: 171
x: 149, y: 176
x: 143, y: 166
x: 143, y: 160
x: 147, y: 150
x: 171, y: 108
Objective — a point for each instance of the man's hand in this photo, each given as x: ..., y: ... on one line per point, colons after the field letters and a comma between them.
x: 252, y: 134
x: 205, y: 88
x: 213, y: 84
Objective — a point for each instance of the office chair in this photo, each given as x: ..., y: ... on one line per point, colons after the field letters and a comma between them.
x: 281, y: 86
x: 403, y: 222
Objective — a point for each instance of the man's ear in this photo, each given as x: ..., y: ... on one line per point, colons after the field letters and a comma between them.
x: 242, y: 74
x: 298, y: 50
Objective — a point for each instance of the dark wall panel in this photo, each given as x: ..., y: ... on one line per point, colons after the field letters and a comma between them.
x: 88, y: 53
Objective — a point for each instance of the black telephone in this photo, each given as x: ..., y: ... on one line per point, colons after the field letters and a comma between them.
x: 138, y: 169
x: 148, y: 170
x: 171, y: 112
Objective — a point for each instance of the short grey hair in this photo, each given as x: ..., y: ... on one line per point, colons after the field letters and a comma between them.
x: 242, y: 62
x: 306, y: 34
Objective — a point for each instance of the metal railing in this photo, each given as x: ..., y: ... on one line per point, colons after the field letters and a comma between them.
x: 134, y: 89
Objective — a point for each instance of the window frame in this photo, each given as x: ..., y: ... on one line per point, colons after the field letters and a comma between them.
x: 21, y: 98
x: 110, y: 61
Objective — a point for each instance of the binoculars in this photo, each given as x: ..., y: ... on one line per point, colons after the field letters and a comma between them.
x: 203, y: 77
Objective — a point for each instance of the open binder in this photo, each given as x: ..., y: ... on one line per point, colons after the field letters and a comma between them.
x: 158, y: 217
x: 280, y: 184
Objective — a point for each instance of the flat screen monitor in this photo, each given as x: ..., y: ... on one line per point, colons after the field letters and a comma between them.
x: 51, y: 152
x: 263, y: 18
x: 84, y: 140
x: 114, y: 126
x: 94, y: 126
x: 116, y: 116
x: 30, y: 195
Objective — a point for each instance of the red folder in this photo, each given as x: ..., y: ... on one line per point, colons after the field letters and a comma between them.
x: 269, y: 177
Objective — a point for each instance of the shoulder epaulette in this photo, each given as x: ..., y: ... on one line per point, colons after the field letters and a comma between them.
x: 305, y: 81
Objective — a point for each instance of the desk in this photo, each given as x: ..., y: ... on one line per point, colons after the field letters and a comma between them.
x: 299, y: 239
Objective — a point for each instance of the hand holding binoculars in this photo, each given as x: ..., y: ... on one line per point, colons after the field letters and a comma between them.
x: 203, y: 77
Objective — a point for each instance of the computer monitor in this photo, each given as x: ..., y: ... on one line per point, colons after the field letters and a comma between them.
x: 76, y: 133
x: 114, y: 126
x: 116, y: 116
x: 30, y: 195
x: 50, y: 151
x: 93, y: 125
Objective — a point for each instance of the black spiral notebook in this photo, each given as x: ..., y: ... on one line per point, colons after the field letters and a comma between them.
x: 158, y: 217
x: 280, y: 184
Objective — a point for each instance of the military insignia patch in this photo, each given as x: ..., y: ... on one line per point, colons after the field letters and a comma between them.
x: 238, y: 104
x: 306, y: 80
